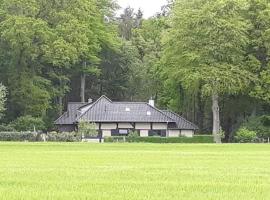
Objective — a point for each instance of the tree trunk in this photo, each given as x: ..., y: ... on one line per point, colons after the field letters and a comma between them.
x: 83, y: 88
x: 60, y: 105
x: 216, y: 118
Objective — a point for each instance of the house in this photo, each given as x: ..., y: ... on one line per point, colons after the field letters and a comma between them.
x: 119, y: 118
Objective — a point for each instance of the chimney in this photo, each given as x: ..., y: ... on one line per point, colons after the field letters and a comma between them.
x: 90, y: 100
x: 152, y: 102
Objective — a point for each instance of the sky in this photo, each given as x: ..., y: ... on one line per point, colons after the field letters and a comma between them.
x: 149, y: 7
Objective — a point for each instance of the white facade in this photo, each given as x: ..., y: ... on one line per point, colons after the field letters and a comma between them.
x: 144, y: 133
x: 143, y: 126
x: 143, y: 129
x: 187, y: 133
x: 174, y: 133
x: 159, y: 126
x: 108, y: 126
x: 106, y: 133
x: 125, y: 125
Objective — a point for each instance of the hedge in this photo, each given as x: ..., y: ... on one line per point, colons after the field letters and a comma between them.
x: 63, y: 137
x: 35, y: 137
x: 19, y: 136
x: 195, y: 139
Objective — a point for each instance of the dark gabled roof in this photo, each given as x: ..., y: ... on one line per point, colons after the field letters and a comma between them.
x: 181, y: 122
x: 104, y: 110
x: 69, y: 117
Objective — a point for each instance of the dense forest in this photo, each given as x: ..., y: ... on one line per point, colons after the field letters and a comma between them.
x: 207, y: 60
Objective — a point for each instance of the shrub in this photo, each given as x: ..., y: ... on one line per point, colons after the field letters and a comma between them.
x: 87, y: 129
x: 7, y: 128
x: 63, y: 137
x: 18, y: 136
x: 28, y: 123
x: 244, y: 135
x: 259, y: 124
x: 195, y: 139
x: 133, y: 136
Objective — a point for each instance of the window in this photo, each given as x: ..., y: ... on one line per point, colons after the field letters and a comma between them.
x: 161, y: 133
x: 123, y: 131
x: 120, y: 132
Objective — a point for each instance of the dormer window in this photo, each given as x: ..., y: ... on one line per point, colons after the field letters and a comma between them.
x: 127, y: 109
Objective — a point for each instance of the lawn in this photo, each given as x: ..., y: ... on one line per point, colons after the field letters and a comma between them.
x: 134, y: 171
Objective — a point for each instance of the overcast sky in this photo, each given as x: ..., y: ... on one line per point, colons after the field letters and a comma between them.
x: 149, y: 7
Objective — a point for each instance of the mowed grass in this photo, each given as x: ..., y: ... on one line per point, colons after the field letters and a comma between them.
x: 134, y: 171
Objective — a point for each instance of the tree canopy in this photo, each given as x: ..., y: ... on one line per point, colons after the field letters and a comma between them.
x: 207, y: 60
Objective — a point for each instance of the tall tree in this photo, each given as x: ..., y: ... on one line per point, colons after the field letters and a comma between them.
x: 258, y: 16
x: 127, y: 21
x: 206, y: 45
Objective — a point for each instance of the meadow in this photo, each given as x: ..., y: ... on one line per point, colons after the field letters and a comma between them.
x: 134, y: 171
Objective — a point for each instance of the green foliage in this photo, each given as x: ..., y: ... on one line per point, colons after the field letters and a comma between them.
x: 245, y: 135
x: 28, y: 123
x: 44, y: 44
x: 6, y: 128
x: 18, y: 136
x: 195, y: 139
x: 87, y: 129
x: 133, y: 136
x: 206, y: 44
x: 259, y: 124
x: 63, y: 137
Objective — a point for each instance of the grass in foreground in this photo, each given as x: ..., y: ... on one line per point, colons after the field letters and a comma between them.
x: 134, y: 171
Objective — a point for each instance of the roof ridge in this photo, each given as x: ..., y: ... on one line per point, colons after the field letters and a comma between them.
x: 103, y: 96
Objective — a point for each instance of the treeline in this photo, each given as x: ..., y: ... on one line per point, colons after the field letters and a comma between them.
x: 205, y: 59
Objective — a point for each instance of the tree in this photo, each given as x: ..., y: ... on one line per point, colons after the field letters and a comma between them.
x: 206, y: 45
x: 2, y: 99
x: 258, y: 16
x: 127, y: 22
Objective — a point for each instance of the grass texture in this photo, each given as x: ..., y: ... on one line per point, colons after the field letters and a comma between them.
x: 134, y: 171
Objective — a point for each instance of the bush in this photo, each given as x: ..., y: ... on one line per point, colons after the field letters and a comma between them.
x: 63, y: 137
x: 244, y: 135
x: 19, y: 136
x: 28, y: 123
x: 7, y: 128
x: 133, y: 136
x: 259, y: 124
x: 195, y: 139
x: 87, y: 129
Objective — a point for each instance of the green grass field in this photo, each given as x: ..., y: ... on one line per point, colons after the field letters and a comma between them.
x: 134, y: 171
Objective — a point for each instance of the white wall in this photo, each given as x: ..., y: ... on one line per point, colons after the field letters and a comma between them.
x: 144, y: 133
x: 108, y: 126
x: 173, y: 133
x: 125, y: 125
x: 187, y: 133
x: 159, y: 126
x: 142, y: 126
x: 106, y: 133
